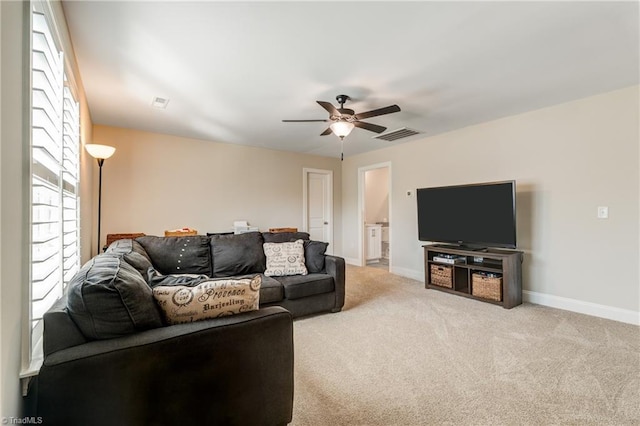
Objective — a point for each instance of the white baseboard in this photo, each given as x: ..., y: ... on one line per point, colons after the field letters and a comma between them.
x: 352, y: 261
x: 602, y: 311
x: 409, y: 273
x: 594, y: 309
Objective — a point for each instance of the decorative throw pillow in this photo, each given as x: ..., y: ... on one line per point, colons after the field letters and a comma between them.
x: 155, y: 278
x: 285, y: 258
x: 209, y: 299
x: 314, y: 255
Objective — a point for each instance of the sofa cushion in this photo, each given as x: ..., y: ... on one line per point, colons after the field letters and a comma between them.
x: 283, y: 237
x: 285, y: 258
x: 271, y: 290
x: 314, y: 255
x: 178, y: 255
x: 209, y: 299
x: 108, y: 298
x: 237, y: 254
x: 133, y: 253
x: 298, y: 286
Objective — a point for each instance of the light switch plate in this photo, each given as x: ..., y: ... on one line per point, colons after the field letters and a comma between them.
x: 603, y: 212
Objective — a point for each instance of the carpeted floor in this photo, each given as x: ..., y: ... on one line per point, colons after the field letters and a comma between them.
x: 402, y: 355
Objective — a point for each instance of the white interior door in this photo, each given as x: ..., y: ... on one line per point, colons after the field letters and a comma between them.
x: 318, y: 205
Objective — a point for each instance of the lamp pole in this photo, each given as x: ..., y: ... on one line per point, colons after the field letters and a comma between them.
x: 100, y: 153
x: 100, y: 163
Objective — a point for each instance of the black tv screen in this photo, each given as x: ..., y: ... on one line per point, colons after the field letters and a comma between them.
x: 477, y: 215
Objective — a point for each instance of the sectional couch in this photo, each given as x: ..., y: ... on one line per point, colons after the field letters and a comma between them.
x: 110, y: 357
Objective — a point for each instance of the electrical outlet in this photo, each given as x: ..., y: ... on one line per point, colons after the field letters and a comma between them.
x: 603, y: 212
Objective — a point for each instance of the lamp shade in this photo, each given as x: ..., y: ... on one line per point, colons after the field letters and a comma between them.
x: 341, y: 128
x: 100, y: 151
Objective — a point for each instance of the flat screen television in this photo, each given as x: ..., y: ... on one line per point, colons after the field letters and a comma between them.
x: 477, y: 215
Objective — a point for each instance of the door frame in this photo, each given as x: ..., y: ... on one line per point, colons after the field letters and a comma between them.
x: 305, y: 196
x: 361, y: 206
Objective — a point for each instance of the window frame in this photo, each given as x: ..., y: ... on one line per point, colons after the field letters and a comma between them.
x: 32, y: 355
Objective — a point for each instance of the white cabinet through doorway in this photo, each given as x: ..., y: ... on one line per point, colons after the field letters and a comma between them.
x: 374, y: 242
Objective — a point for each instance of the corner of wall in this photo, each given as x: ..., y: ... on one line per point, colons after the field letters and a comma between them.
x: 12, y: 186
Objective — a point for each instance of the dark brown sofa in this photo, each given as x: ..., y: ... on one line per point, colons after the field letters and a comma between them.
x: 109, y: 359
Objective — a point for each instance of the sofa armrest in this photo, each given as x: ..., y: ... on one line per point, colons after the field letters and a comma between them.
x: 335, y: 266
x: 60, y: 331
x: 231, y: 370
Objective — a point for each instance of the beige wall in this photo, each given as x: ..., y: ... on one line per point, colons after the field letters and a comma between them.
x: 11, y: 199
x: 156, y: 182
x: 376, y: 192
x: 567, y: 160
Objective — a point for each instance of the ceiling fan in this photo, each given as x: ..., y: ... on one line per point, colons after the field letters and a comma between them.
x: 343, y: 120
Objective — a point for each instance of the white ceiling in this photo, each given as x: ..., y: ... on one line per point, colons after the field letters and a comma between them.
x: 234, y: 70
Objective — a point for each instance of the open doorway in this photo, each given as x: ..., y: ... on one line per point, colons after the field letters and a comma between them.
x: 375, y: 215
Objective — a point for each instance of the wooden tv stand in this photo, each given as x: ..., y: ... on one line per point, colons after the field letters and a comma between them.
x: 470, y: 264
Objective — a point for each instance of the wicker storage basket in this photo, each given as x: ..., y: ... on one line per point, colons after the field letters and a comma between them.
x: 486, y: 287
x: 114, y: 237
x: 442, y: 275
x: 180, y: 233
x: 283, y: 229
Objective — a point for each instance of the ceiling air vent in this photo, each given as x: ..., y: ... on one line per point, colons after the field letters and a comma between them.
x: 397, y: 134
x: 158, y: 102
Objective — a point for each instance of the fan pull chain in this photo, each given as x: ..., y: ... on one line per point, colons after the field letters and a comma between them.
x: 342, y: 149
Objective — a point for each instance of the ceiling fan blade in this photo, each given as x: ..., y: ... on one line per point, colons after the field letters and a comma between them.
x: 368, y: 126
x: 330, y: 108
x: 376, y: 112
x: 303, y: 121
x: 326, y: 132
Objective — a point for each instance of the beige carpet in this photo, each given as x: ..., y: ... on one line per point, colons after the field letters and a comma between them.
x: 402, y: 355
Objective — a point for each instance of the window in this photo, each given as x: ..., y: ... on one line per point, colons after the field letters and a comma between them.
x: 55, y: 125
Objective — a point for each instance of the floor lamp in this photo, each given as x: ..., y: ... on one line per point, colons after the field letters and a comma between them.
x: 100, y: 153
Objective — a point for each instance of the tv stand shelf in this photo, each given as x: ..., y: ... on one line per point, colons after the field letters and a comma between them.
x: 500, y: 271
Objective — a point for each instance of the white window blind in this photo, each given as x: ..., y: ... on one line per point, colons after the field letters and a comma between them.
x: 70, y: 194
x: 55, y: 121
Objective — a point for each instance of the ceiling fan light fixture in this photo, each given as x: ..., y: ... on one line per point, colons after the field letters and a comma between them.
x: 341, y: 128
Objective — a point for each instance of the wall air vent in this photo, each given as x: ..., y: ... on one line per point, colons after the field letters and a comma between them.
x: 158, y: 102
x: 393, y: 135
